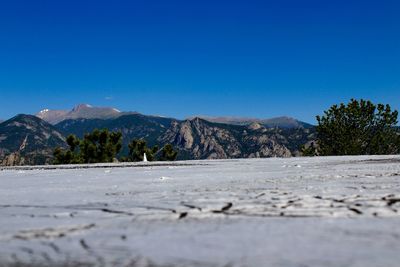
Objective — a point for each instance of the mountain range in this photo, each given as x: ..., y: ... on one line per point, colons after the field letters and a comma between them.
x: 85, y: 111
x: 78, y: 112
x: 28, y: 139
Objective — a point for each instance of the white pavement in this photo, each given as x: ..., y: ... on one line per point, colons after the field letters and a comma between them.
x: 332, y: 211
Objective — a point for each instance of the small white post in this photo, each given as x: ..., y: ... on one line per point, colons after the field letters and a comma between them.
x: 144, y: 157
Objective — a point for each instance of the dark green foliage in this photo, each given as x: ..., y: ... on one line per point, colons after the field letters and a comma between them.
x: 70, y: 156
x: 137, y: 148
x: 296, y: 137
x: 73, y: 142
x: 96, y: 147
x: 168, y: 153
x: 100, y: 146
x: 309, y: 150
x: 358, y: 128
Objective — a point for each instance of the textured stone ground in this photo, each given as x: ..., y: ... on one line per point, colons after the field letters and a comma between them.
x: 337, y: 211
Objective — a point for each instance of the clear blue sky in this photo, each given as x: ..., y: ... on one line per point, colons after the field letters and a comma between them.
x: 183, y: 58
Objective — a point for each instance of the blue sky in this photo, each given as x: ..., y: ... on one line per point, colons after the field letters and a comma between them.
x: 183, y: 58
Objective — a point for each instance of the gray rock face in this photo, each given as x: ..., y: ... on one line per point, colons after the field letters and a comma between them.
x: 201, y: 139
x: 13, y: 159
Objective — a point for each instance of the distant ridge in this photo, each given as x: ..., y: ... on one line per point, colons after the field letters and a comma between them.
x: 285, y: 122
x: 86, y: 111
x: 81, y: 111
x: 279, y: 122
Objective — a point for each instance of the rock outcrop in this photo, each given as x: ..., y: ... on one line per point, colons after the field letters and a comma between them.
x: 201, y: 139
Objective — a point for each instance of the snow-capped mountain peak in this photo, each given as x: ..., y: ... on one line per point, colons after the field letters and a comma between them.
x: 44, y: 111
x: 81, y: 111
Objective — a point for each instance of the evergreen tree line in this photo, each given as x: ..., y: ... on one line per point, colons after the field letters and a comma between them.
x: 103, y: 146
x: 356, y: 128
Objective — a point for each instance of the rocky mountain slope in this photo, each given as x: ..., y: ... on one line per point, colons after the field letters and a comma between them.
x: 26, y: 139
x: 198, y: 138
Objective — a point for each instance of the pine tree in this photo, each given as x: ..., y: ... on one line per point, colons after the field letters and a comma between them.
x: 96, y: 147
x: 309, y: 150
x: 168, y: 153
x: 358, y: 128
x: 137, y: 148
x: 70, y: 156
x: 100, y: 146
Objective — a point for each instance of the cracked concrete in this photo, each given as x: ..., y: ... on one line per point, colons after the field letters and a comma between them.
x: 333, y: 211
